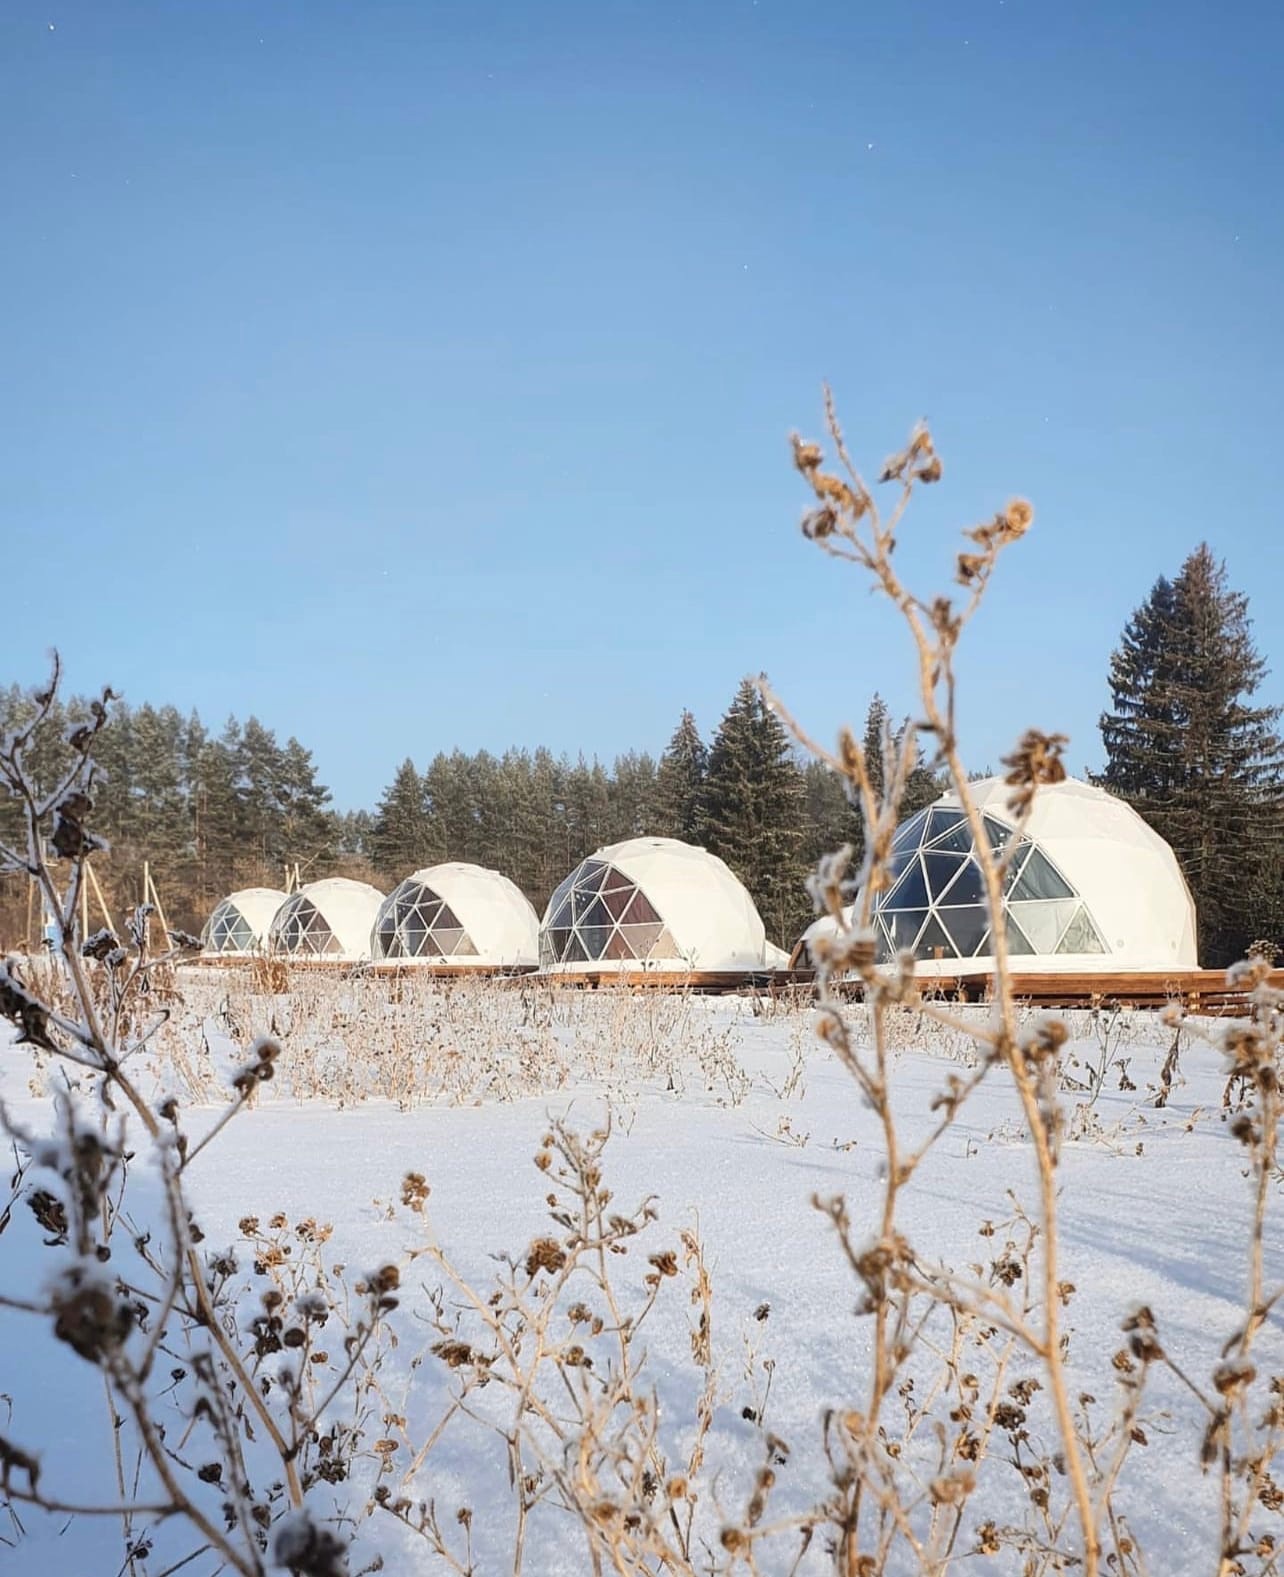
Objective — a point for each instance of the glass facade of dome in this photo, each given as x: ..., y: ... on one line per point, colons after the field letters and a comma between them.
x: 415, y: 922
x: 300, y: 927
x: 229, y: 931
x: 935, y: 906
x: 599, y: 913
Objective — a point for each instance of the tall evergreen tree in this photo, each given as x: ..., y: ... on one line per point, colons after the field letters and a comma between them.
x: 402, y: 837
x: 1186, y: 749
x: 679, y: 783
x: 752, y: 811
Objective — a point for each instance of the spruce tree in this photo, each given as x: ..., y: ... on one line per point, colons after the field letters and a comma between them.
x: 679, y: 783
x: 401, y: 839
x: 1186, y: 749
x: 753, y: 808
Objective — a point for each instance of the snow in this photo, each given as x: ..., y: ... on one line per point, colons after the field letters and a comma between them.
x: 1155, y: 1211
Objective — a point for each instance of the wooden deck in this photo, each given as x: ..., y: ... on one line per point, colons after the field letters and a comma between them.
x: 1197, y: 990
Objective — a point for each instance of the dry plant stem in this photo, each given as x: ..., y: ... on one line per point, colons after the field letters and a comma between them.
x: 849, y: 527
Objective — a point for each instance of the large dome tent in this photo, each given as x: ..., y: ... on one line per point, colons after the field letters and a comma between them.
x: 457, y: 916
x: 329, y: 920
x: 239, y: 926
x: 653, y: 905
x: 1090, y: 888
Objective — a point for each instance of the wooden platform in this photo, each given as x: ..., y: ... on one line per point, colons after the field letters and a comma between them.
x: 1197, y: 990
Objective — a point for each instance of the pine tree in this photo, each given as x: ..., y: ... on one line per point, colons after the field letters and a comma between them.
x: 631, y: 795
x: 679, y: 783
x: 402, y: 837
x: 1186, y: 750
x: 753, y: 808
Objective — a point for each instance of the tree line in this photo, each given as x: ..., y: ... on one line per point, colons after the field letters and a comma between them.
x: 214, y: 813
x: 1184, y: 744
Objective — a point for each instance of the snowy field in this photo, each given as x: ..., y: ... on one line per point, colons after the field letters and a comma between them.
x: 733, y: 1119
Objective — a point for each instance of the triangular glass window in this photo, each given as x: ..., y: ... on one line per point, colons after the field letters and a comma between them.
x: 1040, y: 879
x: 596, y: 914
x: 616, y: 900
x: 941, y: 870
x: 664, y: 946
x: 997, y: 832
x: 640, y: 910
x: 641, y: 938
x: 590, y: 874
x: 934, y: 941
x: 1018, y: 942
x: 1081, y: 935
x: 968, y: 888
x: 940, y: 823
x: 595, y: 938
x: 903, y: 926
x: 1043, y: 920
x: 965, y: 927
x: 910, y: 835
x: 910, y: 892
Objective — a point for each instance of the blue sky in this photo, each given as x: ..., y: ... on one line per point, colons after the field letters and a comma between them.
x: 417, y: 375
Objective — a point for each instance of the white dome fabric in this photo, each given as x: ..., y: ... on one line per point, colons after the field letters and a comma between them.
x: 457, y: 914
x: 330, y: 919
x: 240, y: 924
x: 1090, y: 888
x: 652, y: 904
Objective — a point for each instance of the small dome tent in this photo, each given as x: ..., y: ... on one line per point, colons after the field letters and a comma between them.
x: 1090, y: 887
x: 652, y: 904
x: 329, y: 919
x: 457, y: 916
x: 239, y: 925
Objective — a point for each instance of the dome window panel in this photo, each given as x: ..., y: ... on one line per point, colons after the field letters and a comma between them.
x: 641, y: 911
x: 664, y: 946
x: 941, y: 870
x: 641, y: 938
x: 966, y: 927
x: 903, y: 926
x: 617, y: 900
x: 1018, y: 942
x: 998, y: 832
x: 1081, y: 935
x: 1040, y: 879
x: 910, y: 891
x: 910, y: 835
x: 967, y: 888
x: 589, y: 878
x: 561, y: 892
x: 956, y: 839
x: 596, y: 914
x: 943, y: 823
x: 934, y: 941
x: 1043, y: 920
x: 595, y: 938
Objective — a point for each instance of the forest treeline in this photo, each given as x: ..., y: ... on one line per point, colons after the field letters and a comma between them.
x: 1184, y: 744
x: 211, y: 813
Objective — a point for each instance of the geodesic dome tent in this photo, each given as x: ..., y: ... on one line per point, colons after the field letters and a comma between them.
x: 330, y: 919
x: 459, y: 915
x: 652, y: 904
x: 240, y: 924
x: 1089, y: 887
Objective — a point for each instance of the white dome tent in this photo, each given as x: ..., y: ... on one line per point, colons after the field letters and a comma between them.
x: 328, y: 920
x: 457, y: 916
x: 239, y: 926
x: 1090, y: 888
x: 653, y: 905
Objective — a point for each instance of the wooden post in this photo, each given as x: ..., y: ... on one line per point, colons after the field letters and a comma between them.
x: 151, y: 895
x: 98, y: 896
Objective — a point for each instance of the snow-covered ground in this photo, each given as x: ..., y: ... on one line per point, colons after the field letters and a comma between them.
x: 1155, y: 1210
